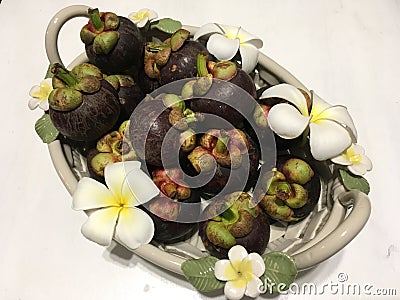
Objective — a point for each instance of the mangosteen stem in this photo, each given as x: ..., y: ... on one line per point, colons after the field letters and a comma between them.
x: 222, y: 141
x: 64, y: 75
x: 201, y: 63
x: 229, y: 215
x: 94, y: 16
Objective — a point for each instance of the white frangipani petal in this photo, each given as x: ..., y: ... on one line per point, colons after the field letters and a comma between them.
x: 257, y: 264
x: 100, y: 225
x: 361, y: 168
x: 341, y: 160
x: 34, y: 90
x: 221, y: 47
x: 115, y: 174
x: 289, y: 93
x: 141, y: 186
x: 33, y: 103
x: 223, y: 270
x: 207, y: 29
x: 91, y: 194
x: 328, y: 139
x: 134, y: 227
x: 237, y: 253
x: 286, y: 121
x: 248, y: 38
x: 44, y: 105
x: 337, y: 113
x: 254, y: 287
x: 249, y: 55
x: 232, y: 292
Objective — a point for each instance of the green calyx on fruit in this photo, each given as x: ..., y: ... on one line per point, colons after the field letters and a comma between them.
x: 118, y: 81
x: 285, y: 191
x: 69, y: 85
x: 227, y: 147
x: 235, y: 222
x: 178, y: 38
x: 101, y: 30
x: 224, y: 70
x: 202, y: 160
x: 297, y: 170
x: 170, y: 183
x: 112, y: 147
x: 260, y: 115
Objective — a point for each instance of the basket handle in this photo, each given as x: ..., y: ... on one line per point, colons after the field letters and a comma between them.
x: 54, y: 27
x: 341, y: 235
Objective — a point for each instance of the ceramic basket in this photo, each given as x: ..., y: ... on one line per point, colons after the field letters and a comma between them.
x: 336, y: 220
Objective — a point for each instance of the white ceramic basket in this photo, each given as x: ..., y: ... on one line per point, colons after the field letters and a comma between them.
x: 338, y: 218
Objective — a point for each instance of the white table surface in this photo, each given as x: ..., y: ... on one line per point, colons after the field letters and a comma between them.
x: 347, y: 51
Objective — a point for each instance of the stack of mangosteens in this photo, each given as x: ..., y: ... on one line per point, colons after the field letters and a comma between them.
x: 185, y: 115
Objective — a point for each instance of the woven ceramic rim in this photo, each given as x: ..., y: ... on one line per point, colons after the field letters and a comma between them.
x: 335, y: 228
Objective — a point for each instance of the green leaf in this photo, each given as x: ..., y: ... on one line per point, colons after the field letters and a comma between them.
x: 45, y: 129
x: 167, y: 25
x: 200, y: 273
x: 280, y: 271
x: 354, y: 182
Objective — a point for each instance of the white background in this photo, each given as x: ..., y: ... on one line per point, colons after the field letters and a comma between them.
x: 347, y: 51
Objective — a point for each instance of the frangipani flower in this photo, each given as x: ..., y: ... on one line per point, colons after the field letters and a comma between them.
x: 355, y: 159
x: 143, y: 16
x: 331, y: 128
x: 40, y: 94
x: 242, y: 272
x: 112, y: 209
x: 226, y: 40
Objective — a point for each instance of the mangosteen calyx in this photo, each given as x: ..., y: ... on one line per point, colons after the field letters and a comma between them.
x: 287, y: 192
x: 226, y: 146
x: 170, y: 183
x: 112, y: 147
x: 156, y: 55
x: 101, y: 31
x: 241, y: 223
x: 113, y: 43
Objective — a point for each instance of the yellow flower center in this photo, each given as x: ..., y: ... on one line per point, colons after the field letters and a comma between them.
x: 141, y: 15
x: 242, y: 271
x: 44, y: 91
x: 352, y: 157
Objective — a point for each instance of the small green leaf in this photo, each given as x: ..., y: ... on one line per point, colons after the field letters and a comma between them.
x: 45, y: 129
x: 280, y: 271
x: 167, y: 25
x: 200, y: 273
x: 353, y: 182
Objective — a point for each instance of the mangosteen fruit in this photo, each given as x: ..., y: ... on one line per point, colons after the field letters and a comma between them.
x: 240, y: 223
x: 173, y: 59
x: 173, y: 216
x: 293, y: 191
x: 231, y: 155
x: 129, y: 93
x: 113, y: 43
x: 83, y: 106
x: 224, y: 100
x: 112, y: 147
x: 153, y: 120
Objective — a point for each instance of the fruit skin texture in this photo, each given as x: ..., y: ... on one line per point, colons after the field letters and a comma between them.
x: 126, y: 55
x: 147, y: 126
x: 97, y: 114
x: 182, y: 63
